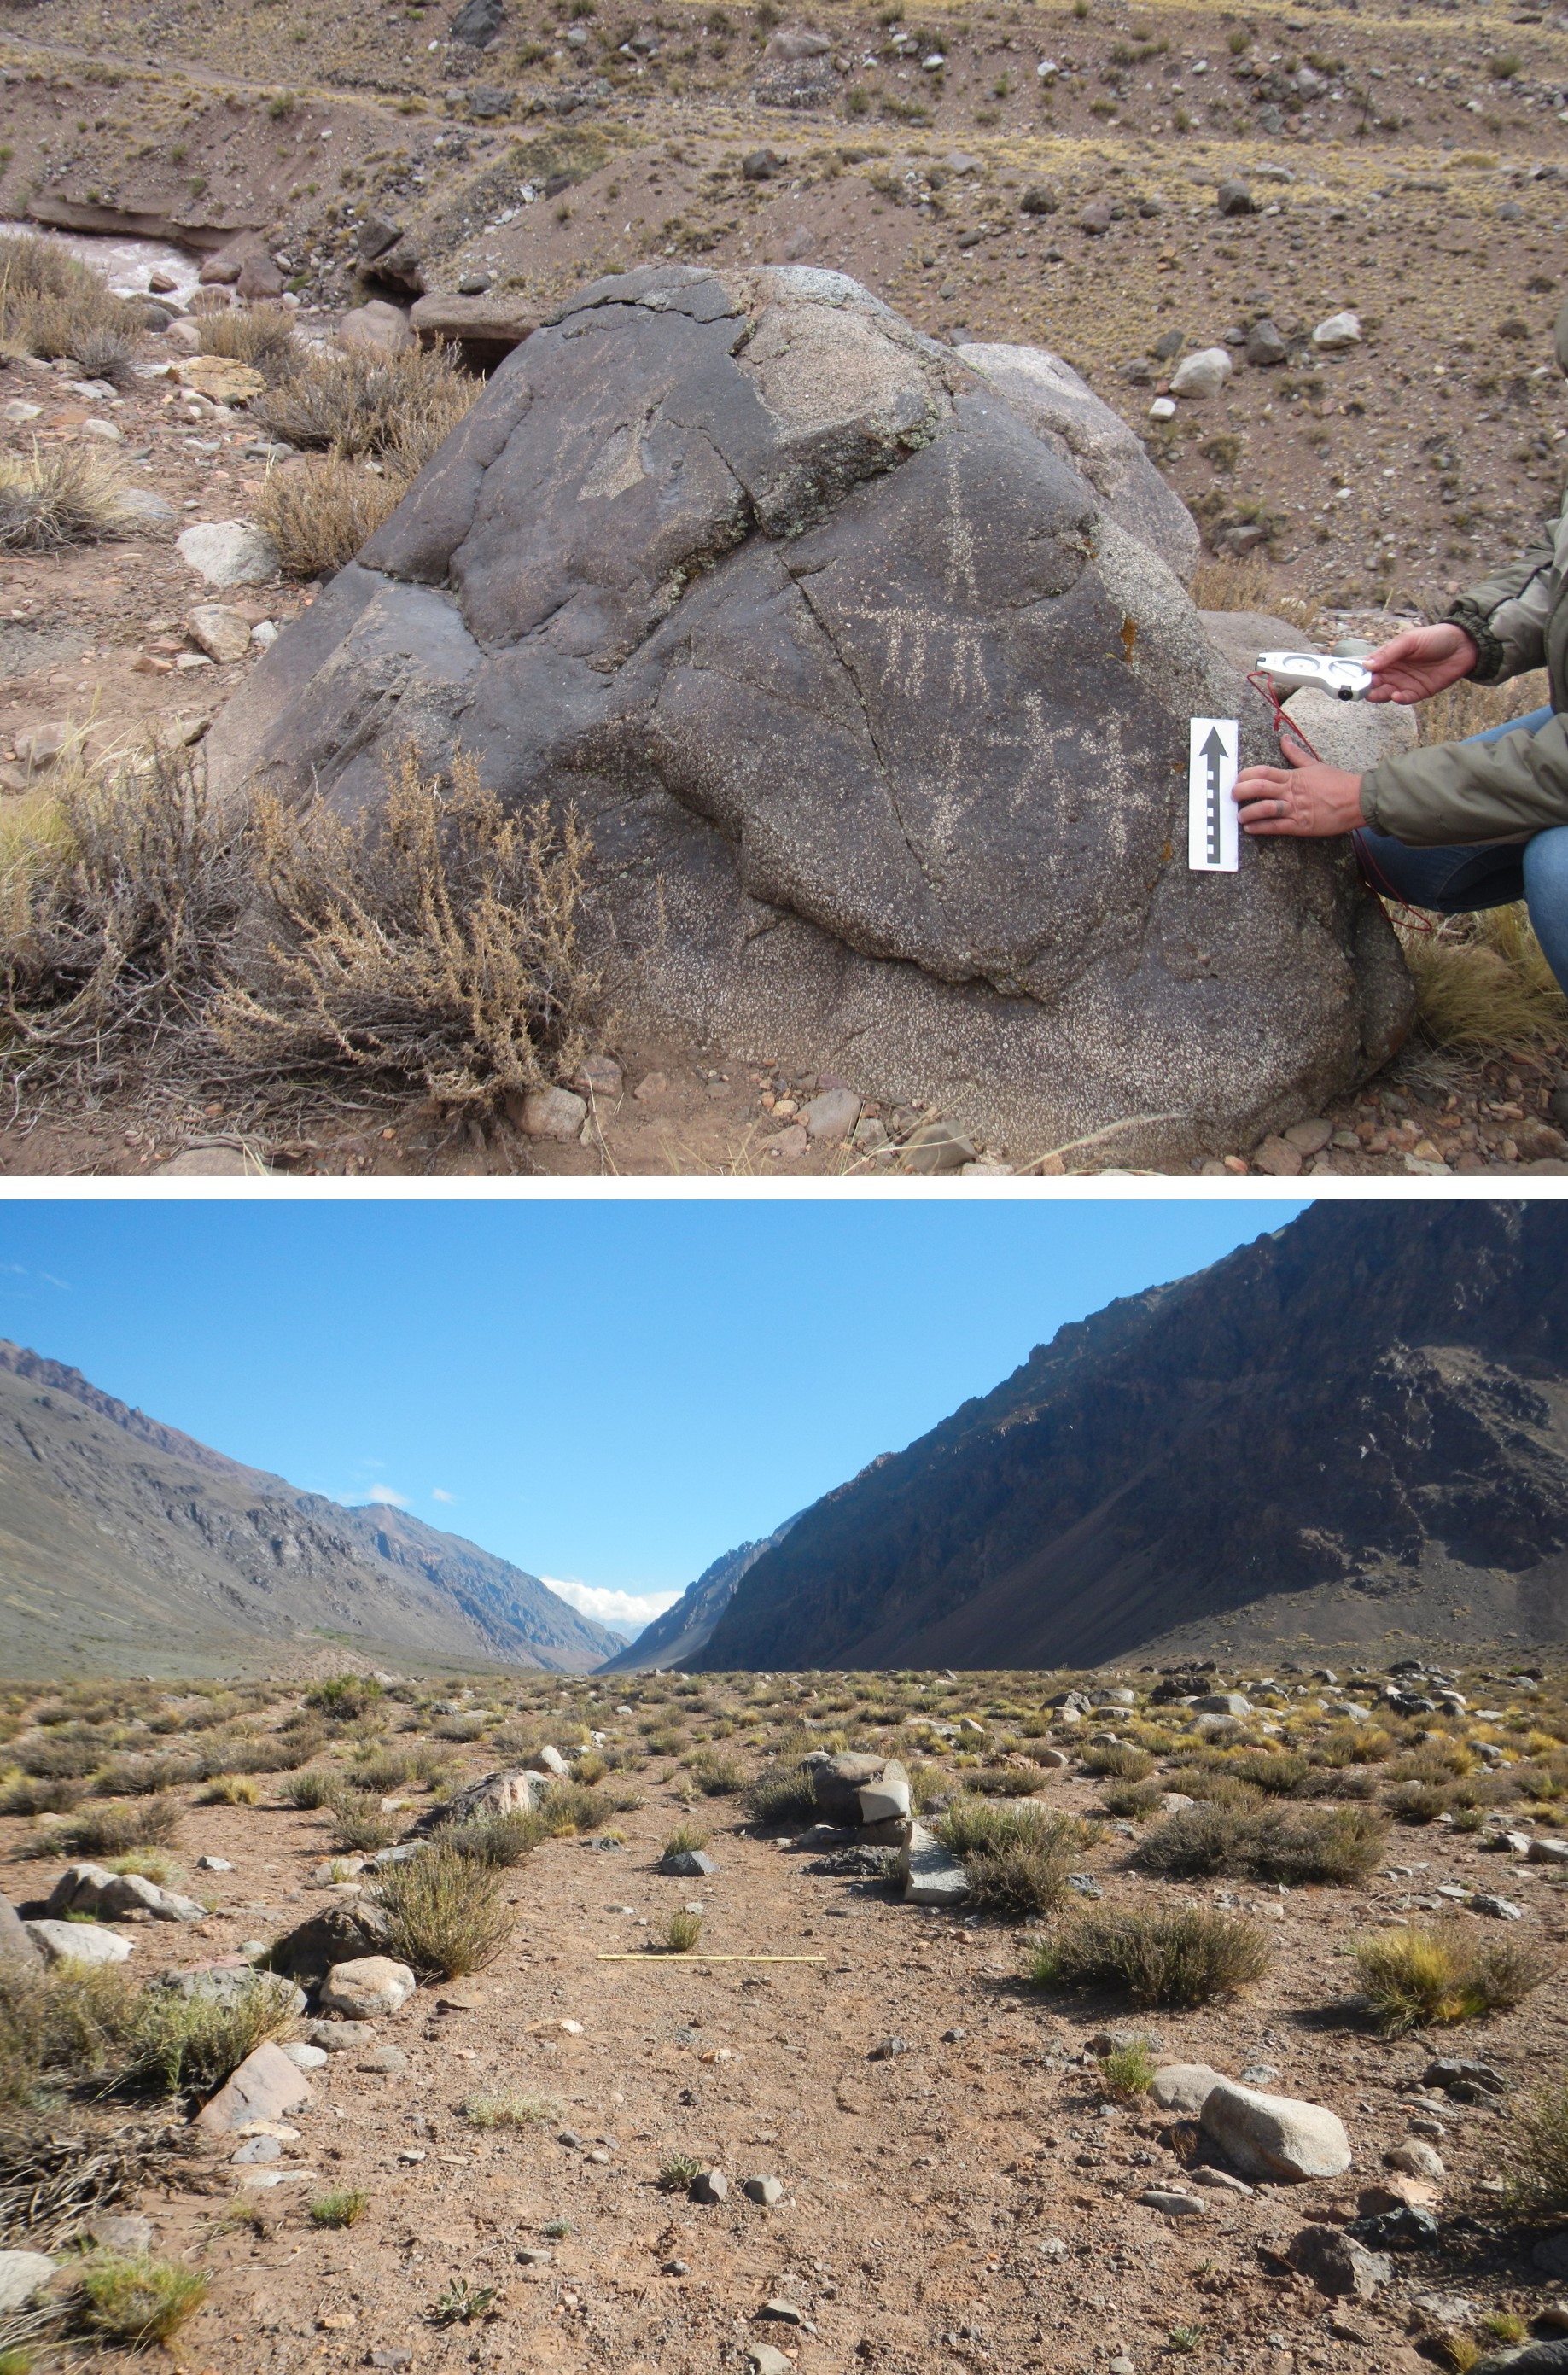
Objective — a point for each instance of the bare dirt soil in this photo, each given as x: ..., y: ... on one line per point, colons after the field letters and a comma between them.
x: 1410, y: 163
x: 959, y: 2188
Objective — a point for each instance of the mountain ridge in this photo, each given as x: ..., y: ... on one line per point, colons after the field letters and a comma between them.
x: 127, y: 1543
x: 1140, y: 1481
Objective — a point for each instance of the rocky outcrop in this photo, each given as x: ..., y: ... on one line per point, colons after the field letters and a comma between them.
x: 864, y: 668
x: 1354, y: 1423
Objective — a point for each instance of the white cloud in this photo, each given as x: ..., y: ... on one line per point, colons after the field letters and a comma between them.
x: 437, y: 1495
x: 627, y: 1611
x: 385, y: 1494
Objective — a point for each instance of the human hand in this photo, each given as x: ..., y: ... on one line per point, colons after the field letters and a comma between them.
x: 1305, y: 799
x: 1420, y: 662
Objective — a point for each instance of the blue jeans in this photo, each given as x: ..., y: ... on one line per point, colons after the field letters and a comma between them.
x: 1492, y: 874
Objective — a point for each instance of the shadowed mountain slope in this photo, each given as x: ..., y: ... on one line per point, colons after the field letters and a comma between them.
x: 1355, y: 1430
x: 677, y: 1636
x: 127, y: 1547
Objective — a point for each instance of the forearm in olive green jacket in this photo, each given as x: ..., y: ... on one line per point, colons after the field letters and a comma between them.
x: 1447, y: 793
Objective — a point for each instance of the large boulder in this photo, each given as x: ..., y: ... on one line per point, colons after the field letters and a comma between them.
x: 837, y: 1781
x: 498, y: 1793
x: 340, y: 1934
x: 857, y: 660
x: 18, y: 1951
x: 1273, y: 2135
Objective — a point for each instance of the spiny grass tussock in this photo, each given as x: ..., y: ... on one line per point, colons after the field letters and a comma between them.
x: 1425, y: 1976
x: 51, y: 499
x: 261, y: 335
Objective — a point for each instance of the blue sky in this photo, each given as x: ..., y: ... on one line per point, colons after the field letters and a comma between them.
x: 610, y: 1395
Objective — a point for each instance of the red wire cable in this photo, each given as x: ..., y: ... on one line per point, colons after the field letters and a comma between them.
x: 1372, y: 873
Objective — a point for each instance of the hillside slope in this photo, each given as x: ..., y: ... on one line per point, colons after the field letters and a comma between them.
x: 1355, y: 1430
x: 678, y: 1635
x: 126, y: 1546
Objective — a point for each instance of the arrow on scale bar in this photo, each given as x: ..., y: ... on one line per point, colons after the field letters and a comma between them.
x: 1213, y: 750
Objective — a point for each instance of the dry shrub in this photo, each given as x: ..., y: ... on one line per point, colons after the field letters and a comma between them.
x: 397, y: 408
x: 117, y: 1830
x: 261, y: 335
x: 1535, y: 2153
x: 1423, y: 1977
x: 55, y: 308
x: 321, y: 513
x: 375, y: 420
x: 1251, y: 584
x: 50, y: 500
x: 1468, y: 708
x: 437, y: 944
x: 1266, y: 1842
x: 500, y: 1839
x: 1172, y: 1961
x: 445, y: 1913
x: 111, y: 924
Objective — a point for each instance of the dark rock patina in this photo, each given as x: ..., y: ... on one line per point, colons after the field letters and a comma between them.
x: 869, y: 669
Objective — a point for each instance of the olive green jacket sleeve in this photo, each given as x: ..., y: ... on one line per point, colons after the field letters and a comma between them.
x: 1447, y: 793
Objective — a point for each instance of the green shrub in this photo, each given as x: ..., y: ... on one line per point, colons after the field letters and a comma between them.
x: 445, y: 1913
x: 1279, y: 1774
x: 116, y: 1830
x: 135, y: 2301
x: 1118, y: 1757
x: 314, y: 1788
x: 782, y: 1794
x: 1133, y: 1800
x: 343, y: 1698
x: 567, y: 1806
x: 681, y: 1933
x: 1127, y: 2072
x: 1175, y: 1961
x: 1534, y: 2153
x: 1266, y: 1842
x: 343, y: 2208
x: 1423, y: 1976
x: 677, y: 2172
x: 359, y: 1825
x: 717, y: 1775
x: 180, y: 2044
x: 1003, y: 1781
x: 1018, y: 1858
x: 499, y: 1839
x: 509, y: 2110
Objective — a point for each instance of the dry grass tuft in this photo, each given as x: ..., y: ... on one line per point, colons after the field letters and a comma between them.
x: 51, y: 501
x: 138, y: 2300
x: 397, y: 408
x: 1482, y: 981
x: 1018, y: 1858
x: 55, y: 308
x: 375, y: 420
x: 1251, y: 584
x: 262, y: 336
x: 1420, y: 1977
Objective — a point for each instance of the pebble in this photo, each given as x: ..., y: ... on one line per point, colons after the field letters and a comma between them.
x: 713, y: 2185
x: 766, y: 2189
x: 1172, y: 2205
x: 213, y: 1864
x: 1201, y: 374
x: 388, y: 2059
x: 257, y: 2148
x: 305, y: 2057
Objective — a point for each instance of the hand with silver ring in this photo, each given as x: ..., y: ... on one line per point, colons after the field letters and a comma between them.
x: 1304, y: 800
